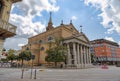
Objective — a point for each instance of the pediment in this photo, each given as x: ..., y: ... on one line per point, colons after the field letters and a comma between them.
x: 83, y: 38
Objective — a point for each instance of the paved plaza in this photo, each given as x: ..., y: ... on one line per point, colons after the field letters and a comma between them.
x: 91, y: 74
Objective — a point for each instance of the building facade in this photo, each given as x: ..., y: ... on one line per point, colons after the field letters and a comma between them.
x: 76, y: 42
x: 6, y: 29
x: 105, y: 51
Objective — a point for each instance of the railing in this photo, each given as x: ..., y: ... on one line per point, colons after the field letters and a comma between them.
x: 7, y: 26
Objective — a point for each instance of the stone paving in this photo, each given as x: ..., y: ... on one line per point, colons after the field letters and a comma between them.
x: 91, y: 74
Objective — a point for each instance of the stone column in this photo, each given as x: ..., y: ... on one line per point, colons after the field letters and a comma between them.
x: 84, y: 57
x: 74, y: 53
x: 68, y: 56
x: 78, y: 56
x: 87, y: 56
x: 81, y: 54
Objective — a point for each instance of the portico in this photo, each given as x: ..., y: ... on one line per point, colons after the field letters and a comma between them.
x: 78, y: 54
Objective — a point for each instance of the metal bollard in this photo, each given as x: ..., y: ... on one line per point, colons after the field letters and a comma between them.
x: 22, y: 73
x: 35, y: 74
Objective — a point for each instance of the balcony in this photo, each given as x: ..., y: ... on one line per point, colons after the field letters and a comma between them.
x: 7, y: 29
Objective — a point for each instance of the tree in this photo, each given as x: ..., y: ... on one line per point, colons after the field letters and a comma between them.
x: 93, y: 58
x: 25, y: 55
x: 11, y: 56
x: 57, y: 53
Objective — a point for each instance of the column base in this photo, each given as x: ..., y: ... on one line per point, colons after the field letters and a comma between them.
x: 80, y: 66
x: 89, y: 66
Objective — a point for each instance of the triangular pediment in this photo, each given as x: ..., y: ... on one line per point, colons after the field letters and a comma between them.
x: 82, y: 37
x: 71, y: 27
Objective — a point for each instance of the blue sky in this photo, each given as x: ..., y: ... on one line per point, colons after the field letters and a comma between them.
x: 100, y: 19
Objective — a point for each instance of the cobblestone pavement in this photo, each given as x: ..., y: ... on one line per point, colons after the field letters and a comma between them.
x: 91, y: 74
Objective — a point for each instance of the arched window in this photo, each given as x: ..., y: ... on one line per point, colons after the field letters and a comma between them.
x: 40, y: 41
x: 50, y: 38
x: 42, y: 48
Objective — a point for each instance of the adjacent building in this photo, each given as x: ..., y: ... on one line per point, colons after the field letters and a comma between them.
x: 77, y: 43
x: 105, y: 51
x: 6, y: 29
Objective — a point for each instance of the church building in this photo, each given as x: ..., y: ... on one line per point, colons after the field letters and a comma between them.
x: 78, y: 45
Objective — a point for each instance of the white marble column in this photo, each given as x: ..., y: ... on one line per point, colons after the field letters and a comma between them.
x: 78, y: 54
x: 68, y: 56
x: 74, y: 53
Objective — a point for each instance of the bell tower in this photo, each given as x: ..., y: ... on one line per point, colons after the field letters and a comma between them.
x: 6, y: 29
x: 50, y: 24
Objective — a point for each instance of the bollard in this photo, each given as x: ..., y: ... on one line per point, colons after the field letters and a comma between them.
x: 22, y: 73
x: 35, y: 74
x: 31, y: 70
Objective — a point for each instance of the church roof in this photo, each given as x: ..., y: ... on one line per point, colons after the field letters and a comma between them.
x: 67, y: 26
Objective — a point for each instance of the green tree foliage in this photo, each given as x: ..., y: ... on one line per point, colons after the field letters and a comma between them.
x: 57, y: 53
x: 11, y: 56
x: 92, y: 58
x: 25, y: 55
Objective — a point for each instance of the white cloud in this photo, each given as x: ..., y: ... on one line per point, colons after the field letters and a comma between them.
x: 119, y: 43
x: 25, y: 26
x: 53, y: 1
x: 27, y: 11
x: 110, y: 39
x: 14, y: 42
x: 20, y: 45
x: 73, y: 17
x: 22, y: 15
x: 110, y: 13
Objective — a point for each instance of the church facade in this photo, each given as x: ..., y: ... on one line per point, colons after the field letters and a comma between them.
x: 78, y: 45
